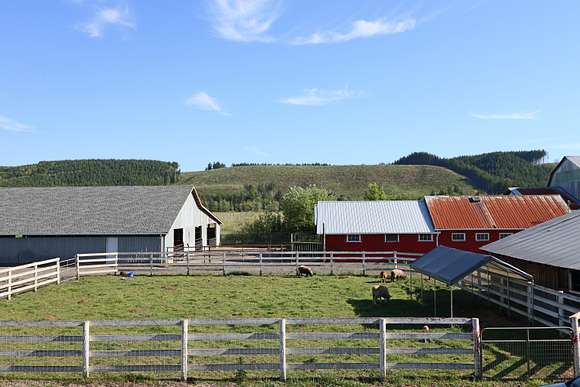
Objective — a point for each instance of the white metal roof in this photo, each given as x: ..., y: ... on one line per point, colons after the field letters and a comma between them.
x: 373, y: 217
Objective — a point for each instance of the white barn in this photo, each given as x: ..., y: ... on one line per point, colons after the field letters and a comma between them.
x: 39, y: 223
x: 566, y: 176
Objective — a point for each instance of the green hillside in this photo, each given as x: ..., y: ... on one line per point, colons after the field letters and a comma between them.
x: 90, y: 173
x: 255, y: 188
x: 491, y: 172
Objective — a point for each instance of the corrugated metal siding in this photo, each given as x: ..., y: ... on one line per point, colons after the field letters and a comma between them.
x: 373, y: 217
x: 17, y: 251
x: 494, y: 212
x: 555, y: 243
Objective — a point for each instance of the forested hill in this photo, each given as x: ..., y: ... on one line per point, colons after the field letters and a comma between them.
x: 90, y: 173
x: 491, y: 172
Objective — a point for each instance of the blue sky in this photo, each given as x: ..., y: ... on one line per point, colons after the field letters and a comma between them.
x: 346, y: 82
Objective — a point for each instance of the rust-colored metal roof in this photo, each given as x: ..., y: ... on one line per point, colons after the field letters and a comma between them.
x: 493, y: 212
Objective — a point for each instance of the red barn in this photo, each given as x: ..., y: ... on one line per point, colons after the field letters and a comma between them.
x: 395, y: 225
x: 471, y: 222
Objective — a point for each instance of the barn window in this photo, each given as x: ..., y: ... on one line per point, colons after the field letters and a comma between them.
x: 458, y: 237
x: 353, y: 238
x: 504, y: 235
x: 482, y: 237
x: 391, y: 238
x: 425, y: 237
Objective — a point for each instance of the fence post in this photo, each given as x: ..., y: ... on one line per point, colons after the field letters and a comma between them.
x: 9, y: 285
x: 224, y: 264
x: 476, y: 348
x: 383, y: 348
x: 184, y: 348
x: 331, y: 263
x: 395, y: 260
x: 364, y: 269
x: 36, y: 277
x: 78, y: 267
x: 560, y: 303
x: 86, y: 348
x: 297, y: 261
x: 187, y: 260
x: 58, y: 271
x: 575, y: 342
x: 260, y: 264
x: 530, y: 300
x: 151, y: 265
x: 282, y: 334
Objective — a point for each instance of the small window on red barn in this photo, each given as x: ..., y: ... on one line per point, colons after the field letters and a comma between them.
x: 482, y: 237
x: 504, y: 235
x: 353, y: 238
x: 458, y: 237
x: 391, y: 238
x: 425, y: 237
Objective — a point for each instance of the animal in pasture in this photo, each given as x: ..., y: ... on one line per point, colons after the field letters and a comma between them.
x: 397, y: 274
x: 383, y: 276
x: 426, y: 330
x: 380, y: 292
x: 304, y: 271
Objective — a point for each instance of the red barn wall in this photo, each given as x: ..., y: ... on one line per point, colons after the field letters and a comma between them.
x: 408, y: 243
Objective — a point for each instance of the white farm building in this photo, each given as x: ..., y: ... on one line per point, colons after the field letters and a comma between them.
x: 40, y: 223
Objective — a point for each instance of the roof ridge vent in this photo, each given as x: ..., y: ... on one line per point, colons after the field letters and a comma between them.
x: 474, y: 199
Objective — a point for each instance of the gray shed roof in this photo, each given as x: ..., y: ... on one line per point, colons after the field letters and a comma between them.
x: 450, y: 265
x: 91, y: 210
x: 555, y: 243
x: 373, y: 217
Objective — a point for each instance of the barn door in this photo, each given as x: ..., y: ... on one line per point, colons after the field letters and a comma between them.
x: 112, y: 247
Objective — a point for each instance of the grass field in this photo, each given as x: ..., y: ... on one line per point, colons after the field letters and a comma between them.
x: 234, y: 221
x: 238, y: 296
x: 407, y: 181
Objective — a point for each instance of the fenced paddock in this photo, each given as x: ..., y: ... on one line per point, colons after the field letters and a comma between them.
x: 182, y: 348
x: 247, y: 261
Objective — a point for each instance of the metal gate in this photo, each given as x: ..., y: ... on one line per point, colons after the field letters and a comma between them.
x: 521, y: 353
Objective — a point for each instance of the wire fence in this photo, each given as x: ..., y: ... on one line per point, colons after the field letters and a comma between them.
x: 522, y: 353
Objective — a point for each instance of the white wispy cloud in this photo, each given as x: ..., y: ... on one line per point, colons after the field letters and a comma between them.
x: 13, y: 125
x: 244, y: 20
x: 203, y: 101
x: 118, y: 16
x: 318, y: 97
x: 359, y: 29
x: 507, y: 116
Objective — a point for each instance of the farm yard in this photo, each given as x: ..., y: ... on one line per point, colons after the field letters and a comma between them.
x: 243, y: 296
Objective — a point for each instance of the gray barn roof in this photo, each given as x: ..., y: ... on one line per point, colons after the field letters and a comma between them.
x: 555, y: 243
x: 91, y: 210
x: 450, y: 265
x: 373, y: 217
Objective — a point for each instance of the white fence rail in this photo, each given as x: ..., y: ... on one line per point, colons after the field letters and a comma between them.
x: 178, y: 346
x: 253, y: 262
x: 28, y: 277
x: 544, y: 305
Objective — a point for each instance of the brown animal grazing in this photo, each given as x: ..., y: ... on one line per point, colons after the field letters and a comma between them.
x: 397, y: 274
x: 304, y: 271
x: 380, y: 292
x: 383, y: 276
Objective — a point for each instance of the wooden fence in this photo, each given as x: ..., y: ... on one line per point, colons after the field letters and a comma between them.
x: 28, y: 277
x: 252, y: 262
x: 544, y: 305
x: 105, y: 346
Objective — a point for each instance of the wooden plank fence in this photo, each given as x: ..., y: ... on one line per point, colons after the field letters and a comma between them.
x: 29, y: 277
x: 289, y: 343
x: 253, y: 262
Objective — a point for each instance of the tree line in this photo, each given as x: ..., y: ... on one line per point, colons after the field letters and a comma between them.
x: 491, y: 172
x: 91, y: 173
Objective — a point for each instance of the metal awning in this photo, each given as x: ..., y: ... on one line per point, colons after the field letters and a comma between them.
x: 450, y: 266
